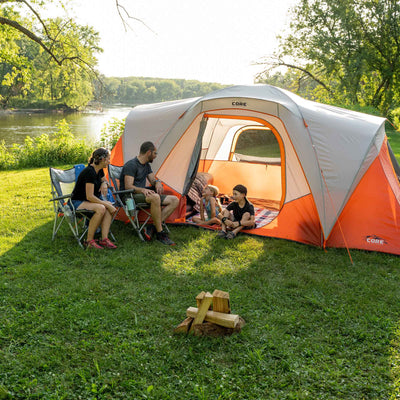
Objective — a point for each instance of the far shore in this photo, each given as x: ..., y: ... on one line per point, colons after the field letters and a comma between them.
x: 34, y: 111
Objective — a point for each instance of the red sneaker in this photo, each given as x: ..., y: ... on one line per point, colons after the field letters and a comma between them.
x: 107, y: 243
x: 92, y: 244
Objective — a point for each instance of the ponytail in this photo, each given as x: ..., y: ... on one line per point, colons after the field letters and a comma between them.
x: 98, y: 155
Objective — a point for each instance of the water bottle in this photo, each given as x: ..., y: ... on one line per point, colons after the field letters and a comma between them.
x: 130, y: 205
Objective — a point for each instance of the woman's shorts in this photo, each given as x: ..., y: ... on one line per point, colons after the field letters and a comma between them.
x: 76, y: 203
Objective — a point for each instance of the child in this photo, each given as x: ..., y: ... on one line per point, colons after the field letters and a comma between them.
x: 105, y: 193
x: 242, y: 216
x: 211, y: 205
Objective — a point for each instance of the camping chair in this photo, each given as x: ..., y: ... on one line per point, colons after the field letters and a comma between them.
x: 62, y: 184
x: 125, y: 200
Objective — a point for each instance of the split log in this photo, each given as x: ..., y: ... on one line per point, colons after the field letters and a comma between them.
x: 202, y: 310
x: 199, y: 298
x: 227, y: 320
x: 184, y: 326
x: 221, y: 301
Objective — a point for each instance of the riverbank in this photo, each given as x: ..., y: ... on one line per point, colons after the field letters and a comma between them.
x: 33, y: 111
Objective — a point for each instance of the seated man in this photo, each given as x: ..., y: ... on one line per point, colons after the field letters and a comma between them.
x: 133, y: 176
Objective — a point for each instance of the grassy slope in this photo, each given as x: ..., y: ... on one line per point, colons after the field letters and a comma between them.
x: 91, y: 325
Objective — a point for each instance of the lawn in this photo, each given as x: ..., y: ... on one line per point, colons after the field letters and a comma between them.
x: 99, y: 325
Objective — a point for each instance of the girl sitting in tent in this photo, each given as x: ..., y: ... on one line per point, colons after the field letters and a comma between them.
x: 241, y: 217
x: 211, y: 205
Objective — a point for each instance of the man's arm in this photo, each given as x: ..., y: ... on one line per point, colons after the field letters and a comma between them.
x: 129, y: 184
x: 155, y: 182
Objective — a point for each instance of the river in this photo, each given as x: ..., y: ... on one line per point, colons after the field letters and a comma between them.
x: 16, y: 126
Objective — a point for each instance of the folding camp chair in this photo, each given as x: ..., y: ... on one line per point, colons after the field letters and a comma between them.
x: 62, y: 184
x: 125, y: 200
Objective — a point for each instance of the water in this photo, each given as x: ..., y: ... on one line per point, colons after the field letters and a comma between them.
x: 16, y: 126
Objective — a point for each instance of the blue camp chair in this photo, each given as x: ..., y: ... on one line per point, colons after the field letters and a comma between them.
x: 62, y: 184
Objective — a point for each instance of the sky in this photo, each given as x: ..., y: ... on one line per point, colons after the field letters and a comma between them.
x: 208, y: 40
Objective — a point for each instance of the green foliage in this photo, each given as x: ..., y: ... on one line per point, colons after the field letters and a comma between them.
x: 98, y: 325
x: 137, y: 90
x: 395, y: 117
x: 30, y: 73
x: 345, y: 51
x: 46, y: 150
x: 111, y: 132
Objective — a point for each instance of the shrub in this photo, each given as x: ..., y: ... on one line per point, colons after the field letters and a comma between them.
x: 111, y: 132
x: 61, y: 147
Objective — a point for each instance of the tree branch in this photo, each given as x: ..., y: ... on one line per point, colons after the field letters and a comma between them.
x: 29, y: 34
x: 281, y: 63
x: 121, y: 7
x: 37, y: 16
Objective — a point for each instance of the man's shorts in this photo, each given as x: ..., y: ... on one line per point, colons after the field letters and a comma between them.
x: 141, y: 198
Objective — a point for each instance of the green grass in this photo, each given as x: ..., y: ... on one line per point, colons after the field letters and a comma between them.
x: 98, y: 325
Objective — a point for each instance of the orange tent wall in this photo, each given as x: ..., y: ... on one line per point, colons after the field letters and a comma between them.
x: 117, y: 157
x: 371, y: 217
x: 297, y: 220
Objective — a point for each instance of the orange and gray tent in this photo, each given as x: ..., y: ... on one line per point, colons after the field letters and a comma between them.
x: 333, y: 183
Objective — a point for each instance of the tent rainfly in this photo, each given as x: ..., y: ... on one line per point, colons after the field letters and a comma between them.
x: 328, y: 173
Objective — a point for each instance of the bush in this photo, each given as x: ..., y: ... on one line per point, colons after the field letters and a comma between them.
x: 395, y: 117
x: 46, y: 150
x: 111, y: 132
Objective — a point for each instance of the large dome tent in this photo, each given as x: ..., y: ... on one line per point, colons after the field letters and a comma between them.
x: 331, y: 179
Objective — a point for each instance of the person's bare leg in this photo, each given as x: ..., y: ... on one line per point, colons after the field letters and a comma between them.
x: 170, y: 203
x: 96, y: 219
x: 155, y: 210
x: 105, y: 225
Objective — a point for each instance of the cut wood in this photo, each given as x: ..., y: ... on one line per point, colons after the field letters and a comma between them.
x: 199, y: 298
x: 221, y: 301
x: 184, y: 326
x: 202, y: 310
x: 227, y: 320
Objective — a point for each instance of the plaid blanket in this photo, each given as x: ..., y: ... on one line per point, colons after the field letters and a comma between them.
x: 263, y: 216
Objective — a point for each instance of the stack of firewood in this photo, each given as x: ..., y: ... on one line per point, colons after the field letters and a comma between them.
x: 211, y: 317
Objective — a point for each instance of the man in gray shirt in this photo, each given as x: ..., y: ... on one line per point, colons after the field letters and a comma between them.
x: 134, y: 175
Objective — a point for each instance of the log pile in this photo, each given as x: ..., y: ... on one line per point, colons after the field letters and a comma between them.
x: 211, y: 317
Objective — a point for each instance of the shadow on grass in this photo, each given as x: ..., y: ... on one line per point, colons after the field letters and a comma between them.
x: 80, y: 322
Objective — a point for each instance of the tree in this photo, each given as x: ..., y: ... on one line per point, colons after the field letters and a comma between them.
x: 45, y: 58
x: 47, y: 39
x: 349, y: 48
x: 51, y: 57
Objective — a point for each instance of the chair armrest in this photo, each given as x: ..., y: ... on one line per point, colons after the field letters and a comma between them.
x: 124, y: 191
x: 67, y: 196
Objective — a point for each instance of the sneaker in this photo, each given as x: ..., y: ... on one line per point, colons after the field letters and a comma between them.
x: 149, y: 232
x: 107, y: 243
x: 164, y: 238
x: 230, y: 235
x: 92, y: 244
x: 221, y: 234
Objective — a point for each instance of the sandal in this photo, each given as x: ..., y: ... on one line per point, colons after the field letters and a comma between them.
x: 92, y: 244
x: 107, y: 243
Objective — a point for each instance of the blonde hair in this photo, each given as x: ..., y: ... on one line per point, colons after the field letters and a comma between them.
x: 214, y: 189
x: 215, y: 192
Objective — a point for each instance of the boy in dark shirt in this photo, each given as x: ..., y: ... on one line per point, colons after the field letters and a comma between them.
x: 238, y: 215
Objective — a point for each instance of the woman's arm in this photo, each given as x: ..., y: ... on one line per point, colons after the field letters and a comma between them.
x: 94, y: 199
